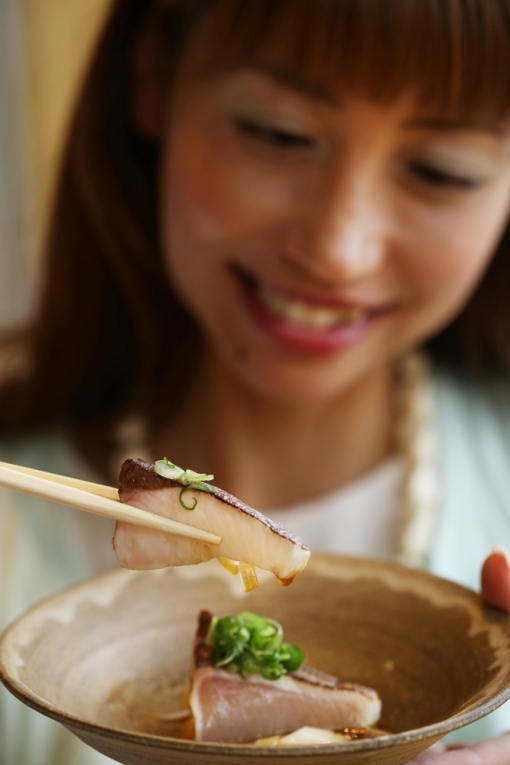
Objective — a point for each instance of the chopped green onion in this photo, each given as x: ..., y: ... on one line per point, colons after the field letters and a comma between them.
x: 187, y: 478
x: 248, y: 645
x: 183, y: 504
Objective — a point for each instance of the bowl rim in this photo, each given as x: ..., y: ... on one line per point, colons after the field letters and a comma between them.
x: 434, y: 731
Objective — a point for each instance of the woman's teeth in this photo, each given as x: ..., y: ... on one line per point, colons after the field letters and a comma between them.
x: 307, y: 315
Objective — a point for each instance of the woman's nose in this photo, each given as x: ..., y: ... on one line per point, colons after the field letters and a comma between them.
x: 343, y: 232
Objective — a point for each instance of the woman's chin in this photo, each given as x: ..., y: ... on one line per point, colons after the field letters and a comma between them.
x: 293, y: 381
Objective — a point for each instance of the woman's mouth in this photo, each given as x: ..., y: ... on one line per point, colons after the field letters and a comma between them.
x: 303, y: 325
x: 306, y: 315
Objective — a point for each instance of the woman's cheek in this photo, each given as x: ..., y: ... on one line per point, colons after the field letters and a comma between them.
x: 451, y: 251
x: 220, y: 193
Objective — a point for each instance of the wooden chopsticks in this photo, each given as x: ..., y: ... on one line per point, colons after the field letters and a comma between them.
x: 92, y: 498
x: 109, y: 492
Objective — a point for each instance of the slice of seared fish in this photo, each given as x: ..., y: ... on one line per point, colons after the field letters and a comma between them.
x: 227, y: 708
x: 246, y: 535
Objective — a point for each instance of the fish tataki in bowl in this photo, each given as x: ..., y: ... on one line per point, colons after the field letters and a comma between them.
x: 248, y: 538
x: 248, y: 685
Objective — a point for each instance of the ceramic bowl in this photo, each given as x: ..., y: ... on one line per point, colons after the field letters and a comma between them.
x: 109, y: 657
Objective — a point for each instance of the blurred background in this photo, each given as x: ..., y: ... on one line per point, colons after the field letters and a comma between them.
x: 44, y: 49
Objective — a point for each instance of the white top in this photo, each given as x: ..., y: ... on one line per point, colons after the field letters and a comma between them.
x: 359, y: 519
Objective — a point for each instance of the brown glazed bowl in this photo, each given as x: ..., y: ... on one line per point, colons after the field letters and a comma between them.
x: 109, y: 657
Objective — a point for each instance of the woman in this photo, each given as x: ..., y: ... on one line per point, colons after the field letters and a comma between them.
x: 265, y: 209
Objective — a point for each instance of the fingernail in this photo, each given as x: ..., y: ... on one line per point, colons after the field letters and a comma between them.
x: 499, y: 550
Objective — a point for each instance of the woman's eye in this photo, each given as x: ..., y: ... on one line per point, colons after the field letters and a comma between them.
x: 280, y: 139
x: 441, y: 179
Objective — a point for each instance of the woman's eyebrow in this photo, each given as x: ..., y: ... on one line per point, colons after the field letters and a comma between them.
x: 452, y: 124
x: 296, y: 81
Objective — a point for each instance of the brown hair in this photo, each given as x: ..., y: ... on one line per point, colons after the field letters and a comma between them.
x: 110, y: 335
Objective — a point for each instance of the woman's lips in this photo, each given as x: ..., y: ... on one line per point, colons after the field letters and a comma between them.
x: 307, y: 327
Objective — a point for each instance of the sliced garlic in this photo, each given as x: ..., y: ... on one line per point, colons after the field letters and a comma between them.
x: 305, y: 736
x: 179, y: 716
x: 232, y: 566
x: 248, y: 576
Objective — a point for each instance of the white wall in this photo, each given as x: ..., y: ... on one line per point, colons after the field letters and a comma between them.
x: 15, y: 192
x: 44, y: 47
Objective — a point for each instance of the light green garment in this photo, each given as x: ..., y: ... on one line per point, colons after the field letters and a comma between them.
x: 42, y: 547
x: 41, y: 551
x: 474, y: 448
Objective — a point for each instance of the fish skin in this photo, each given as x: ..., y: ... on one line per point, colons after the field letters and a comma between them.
x: 247, y: 535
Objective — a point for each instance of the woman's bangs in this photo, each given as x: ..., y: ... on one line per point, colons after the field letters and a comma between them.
x: 453, y: 54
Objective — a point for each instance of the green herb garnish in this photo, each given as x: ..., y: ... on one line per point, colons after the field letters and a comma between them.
x: 188, y: 478
x: 251, y: 645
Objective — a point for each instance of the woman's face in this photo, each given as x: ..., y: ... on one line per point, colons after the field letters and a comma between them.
x: 316, y: 235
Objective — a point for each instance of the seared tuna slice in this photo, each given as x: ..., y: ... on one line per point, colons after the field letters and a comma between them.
x: 231, y: 709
